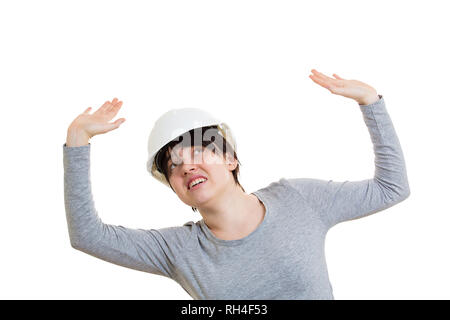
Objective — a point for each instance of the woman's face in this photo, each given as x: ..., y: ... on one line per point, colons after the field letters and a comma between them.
x: 187, y: 162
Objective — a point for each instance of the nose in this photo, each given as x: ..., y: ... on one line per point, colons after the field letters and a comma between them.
x: 189, y: 168
x: 187, y: 160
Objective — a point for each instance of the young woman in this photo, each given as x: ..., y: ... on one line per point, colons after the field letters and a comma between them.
x: 268, y: 244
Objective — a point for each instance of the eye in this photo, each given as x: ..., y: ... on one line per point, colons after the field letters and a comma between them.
x: 172, y: 165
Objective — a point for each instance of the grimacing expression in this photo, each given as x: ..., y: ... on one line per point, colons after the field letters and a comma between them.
x: 186, y: 162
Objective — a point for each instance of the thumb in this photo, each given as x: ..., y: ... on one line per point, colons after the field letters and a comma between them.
x: 337, y: 77
x: 118, y: 122
x: 115, y: 124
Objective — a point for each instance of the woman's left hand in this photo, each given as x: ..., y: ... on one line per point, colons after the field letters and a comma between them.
x: 353, y: 89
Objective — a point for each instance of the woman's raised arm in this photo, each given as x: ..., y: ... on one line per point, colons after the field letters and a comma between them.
x: 347, y: 200
x: 152, y: 251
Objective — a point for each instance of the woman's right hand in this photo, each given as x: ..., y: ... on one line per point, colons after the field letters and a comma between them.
x: 87, y: 125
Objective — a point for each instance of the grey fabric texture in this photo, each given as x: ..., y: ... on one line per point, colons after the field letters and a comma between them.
x: 283, y: 258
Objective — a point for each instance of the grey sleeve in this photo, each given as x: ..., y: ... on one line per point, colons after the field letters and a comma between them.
x: 341, y: 201
x: 152, y: 251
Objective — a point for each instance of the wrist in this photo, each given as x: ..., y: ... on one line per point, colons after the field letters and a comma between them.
x: 76, y: 137
x: 368, y: 100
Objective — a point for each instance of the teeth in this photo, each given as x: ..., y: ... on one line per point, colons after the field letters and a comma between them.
x: 196, y: 181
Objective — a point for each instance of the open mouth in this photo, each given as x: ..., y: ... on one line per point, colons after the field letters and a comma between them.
x: 198, y: 185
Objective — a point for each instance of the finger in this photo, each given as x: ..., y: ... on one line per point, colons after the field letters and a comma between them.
x: 118, y: 105
x: 87, y: 110
x: 110, y: 105
x: 113, y: 125
x: 320, y: 81
x: 113, y: 103
x: 321, y: 75
x: 318, y: 74
x: 104, y: 106
x: 115, y: 108
x: 117, y: 123
x: 337, y: 77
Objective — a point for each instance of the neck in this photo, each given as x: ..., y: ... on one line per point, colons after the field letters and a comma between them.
x: 232, y: 214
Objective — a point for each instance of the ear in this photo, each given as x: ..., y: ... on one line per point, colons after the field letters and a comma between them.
x: 231, y: 162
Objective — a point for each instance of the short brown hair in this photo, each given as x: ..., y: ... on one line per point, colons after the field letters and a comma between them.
x: 163, y: 155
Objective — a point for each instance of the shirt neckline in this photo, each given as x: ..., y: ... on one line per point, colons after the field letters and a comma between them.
x: 248, y: 237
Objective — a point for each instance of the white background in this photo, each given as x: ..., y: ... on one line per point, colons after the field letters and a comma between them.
x: 247, y: 62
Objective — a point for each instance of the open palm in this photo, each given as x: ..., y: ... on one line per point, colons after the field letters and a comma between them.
x: 99, y: 121
x: 353, y: 89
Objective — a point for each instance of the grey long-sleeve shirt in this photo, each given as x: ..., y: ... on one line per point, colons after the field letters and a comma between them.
x: 283, y: 258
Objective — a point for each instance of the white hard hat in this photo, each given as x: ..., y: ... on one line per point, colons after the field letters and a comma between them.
x: 175, y: 123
